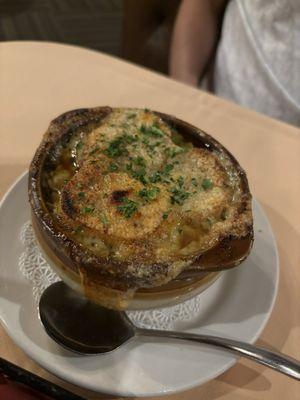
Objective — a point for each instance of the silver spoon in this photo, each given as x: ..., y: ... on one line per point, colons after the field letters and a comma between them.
x: 86, y: 328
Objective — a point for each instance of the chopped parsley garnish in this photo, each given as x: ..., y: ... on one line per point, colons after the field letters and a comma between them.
x: 128, y: 139
x: 78, y: 229
x: 155, y: 131
x: 178, y: 196
x: 88, y: 210
x: 151, y: 131
x: 128, y: 207
x: 173, y: 152
x: 168, y: 168
x: 206, y: 184
x: 165, y: 215
x: 161, y: 176
x: 180, y: 182
x: 140, y: 175
x: 117, y: 147
x: 140, y: 161
x: 146, y: 141
x: 156, y: 177
x: 149, y: 194
x: 79, y: 185
x: 113, y: 167
x: 81, y: 195
x: 79, y: 145
x: 194, y: 181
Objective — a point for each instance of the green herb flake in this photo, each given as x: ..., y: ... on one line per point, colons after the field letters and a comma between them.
x: 114, y: 149
x: 140, y: 175
x: 79, y: 185
x: 155, y: 131
x: 149, y: 194
x: 79, y: 146
x: 128, y: 208
x: 81, y: 195
x: 165, y: 215
x: 180, y: 181
x: 117, y: 147
x: 156, y: 177
x: 168, y: 168
x: 173, y: 152
x: 178, y: 196
x: 113, y: 167
x: 88, y: 210
x: 140, y: 161
x: 194, y: 181
x: 129, y: 139
x: 206, y: 184
x: 78, y: 229
x: 151, y: 131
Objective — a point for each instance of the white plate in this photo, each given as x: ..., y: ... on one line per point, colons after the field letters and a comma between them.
x: 237, y: 305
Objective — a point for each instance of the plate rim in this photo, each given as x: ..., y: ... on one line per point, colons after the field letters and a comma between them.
x: 62, y: 375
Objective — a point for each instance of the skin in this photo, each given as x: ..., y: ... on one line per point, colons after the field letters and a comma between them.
x: 195, y: 37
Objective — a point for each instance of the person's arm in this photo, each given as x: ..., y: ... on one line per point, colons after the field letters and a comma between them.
x: 194, y: 39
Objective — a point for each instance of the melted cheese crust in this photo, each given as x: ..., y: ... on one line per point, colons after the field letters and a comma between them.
x: 133, y: 190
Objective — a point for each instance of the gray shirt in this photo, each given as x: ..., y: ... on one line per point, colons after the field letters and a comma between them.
x: 258, y: 58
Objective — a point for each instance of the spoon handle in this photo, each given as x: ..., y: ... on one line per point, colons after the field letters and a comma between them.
x: 278, y: 361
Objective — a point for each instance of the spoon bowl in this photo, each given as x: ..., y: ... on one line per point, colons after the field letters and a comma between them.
x: 79, y: 325
x: 86, y: 328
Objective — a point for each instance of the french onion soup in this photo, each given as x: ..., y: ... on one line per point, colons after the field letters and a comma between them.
x: 127, y: 200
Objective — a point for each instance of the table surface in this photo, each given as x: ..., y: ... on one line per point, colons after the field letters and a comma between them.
x: 39, y: 81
